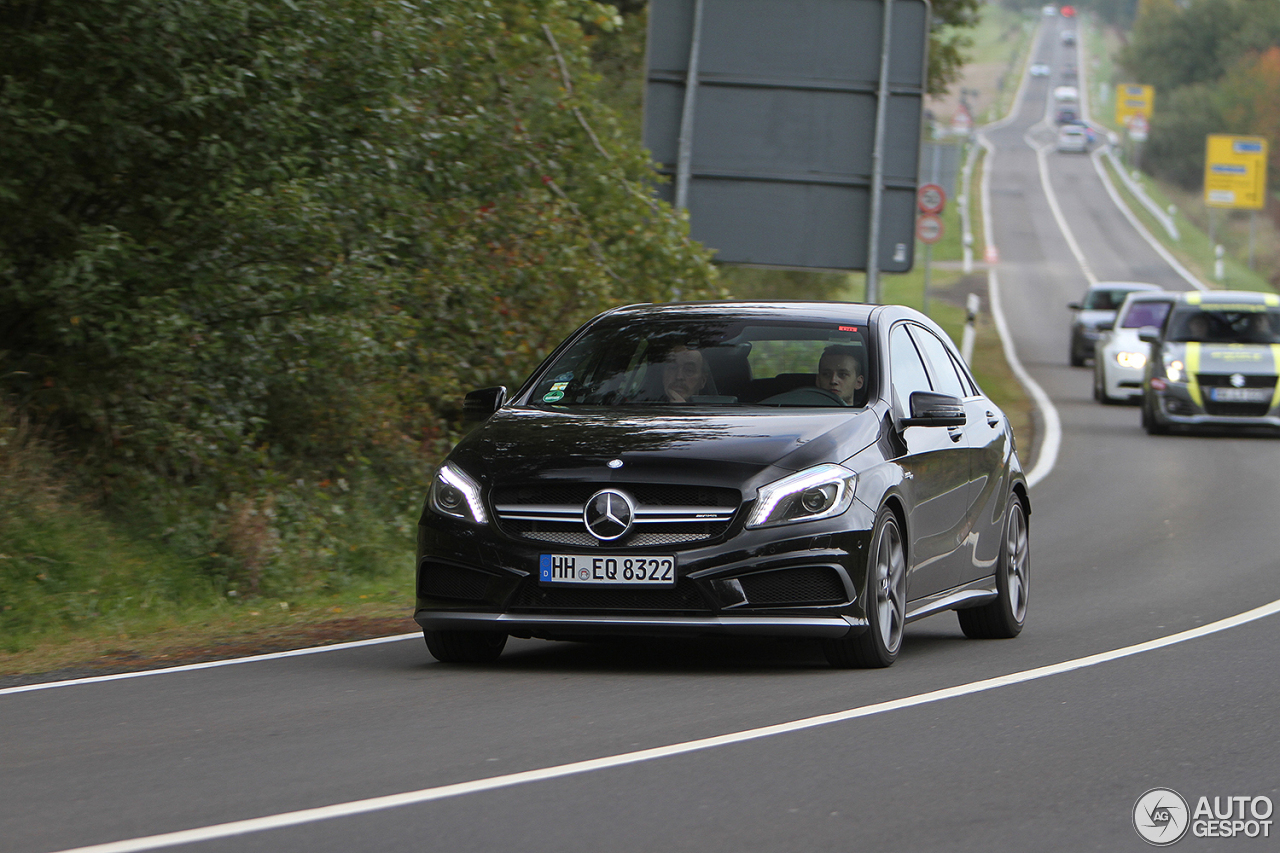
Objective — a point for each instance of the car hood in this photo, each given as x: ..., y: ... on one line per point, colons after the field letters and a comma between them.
x: 740, y: 451
x: 1127, y: 338
x: 1246, y: 359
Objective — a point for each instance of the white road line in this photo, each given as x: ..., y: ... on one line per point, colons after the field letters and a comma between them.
x: 191, y: 667
x: 1142, y: 230
x: 426, y: 795
x: 1120, y: 204
x: 1043, y: 167
x: 1052, y: 440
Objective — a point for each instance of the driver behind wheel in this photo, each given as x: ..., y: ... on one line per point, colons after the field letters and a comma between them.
x: 840, y: 372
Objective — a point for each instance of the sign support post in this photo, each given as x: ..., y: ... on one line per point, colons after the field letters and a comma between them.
x: 872, y: 296
x: 684, y: 152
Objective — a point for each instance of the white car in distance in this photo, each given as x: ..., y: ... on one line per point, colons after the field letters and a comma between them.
x: 1119, y: 357
x: 1073, y: 138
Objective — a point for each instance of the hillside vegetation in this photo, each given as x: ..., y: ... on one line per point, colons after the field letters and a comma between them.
x: 251, y: 253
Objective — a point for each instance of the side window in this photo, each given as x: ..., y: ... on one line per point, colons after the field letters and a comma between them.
x: 906, y: 370
x: 945, y: 380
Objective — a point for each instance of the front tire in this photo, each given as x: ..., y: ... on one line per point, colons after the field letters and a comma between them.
x: 1149, y: 421
x: 885, y: 595
x: 1003, y: 618
x: 464, y: 646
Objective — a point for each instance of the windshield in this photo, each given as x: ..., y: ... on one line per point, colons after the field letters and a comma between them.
x: 1105, y: 298
x: 1227, y: 324
x: 707, y: 362
x: 1145, y: 314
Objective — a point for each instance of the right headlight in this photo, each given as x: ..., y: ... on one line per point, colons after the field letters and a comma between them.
x: 1175, y: 370
x: 823, y: 491
x: 455, y: 494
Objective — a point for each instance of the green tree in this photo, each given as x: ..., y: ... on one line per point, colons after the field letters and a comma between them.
x: 243, y: 242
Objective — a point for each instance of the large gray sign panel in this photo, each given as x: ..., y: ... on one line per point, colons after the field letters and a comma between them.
x: 783, y: 125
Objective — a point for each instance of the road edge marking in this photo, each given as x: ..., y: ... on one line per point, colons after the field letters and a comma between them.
x: 426, y: 795
x: 211, y: 664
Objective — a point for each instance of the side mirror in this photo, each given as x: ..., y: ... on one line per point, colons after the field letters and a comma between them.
x: 1106, y: 327
x: 1075, y: 306
x: 932, y: 409
x: 479, y: 405
x: 1149, y: 335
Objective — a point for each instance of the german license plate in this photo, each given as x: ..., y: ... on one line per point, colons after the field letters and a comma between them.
x: 585, y: 570
x: 1240, y: 395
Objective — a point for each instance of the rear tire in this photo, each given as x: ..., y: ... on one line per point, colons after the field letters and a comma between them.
x: 464, y: 646
x: 1003, y: 618
x: 885, y: 594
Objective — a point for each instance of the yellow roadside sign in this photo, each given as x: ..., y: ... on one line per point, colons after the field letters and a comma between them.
x: 1235, y: 171
x: 1133, y: 101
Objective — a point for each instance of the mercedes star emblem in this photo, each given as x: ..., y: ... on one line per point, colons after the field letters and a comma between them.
x: 608, y: 515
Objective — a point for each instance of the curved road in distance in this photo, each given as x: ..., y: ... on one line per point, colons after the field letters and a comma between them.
x: 1133, y: 539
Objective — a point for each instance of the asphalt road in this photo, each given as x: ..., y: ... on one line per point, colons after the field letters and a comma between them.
x: 1029, y: 744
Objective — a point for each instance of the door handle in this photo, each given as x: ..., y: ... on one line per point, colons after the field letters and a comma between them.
x: 956, y: 433
x: 992, y: 420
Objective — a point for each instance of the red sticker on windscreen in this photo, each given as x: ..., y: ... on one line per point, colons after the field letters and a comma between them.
x: 848, y: 328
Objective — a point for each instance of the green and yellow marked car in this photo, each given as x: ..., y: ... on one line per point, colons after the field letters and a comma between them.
x: 1214, y: 363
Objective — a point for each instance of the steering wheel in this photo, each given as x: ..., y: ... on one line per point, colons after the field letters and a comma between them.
x: 809, y: 395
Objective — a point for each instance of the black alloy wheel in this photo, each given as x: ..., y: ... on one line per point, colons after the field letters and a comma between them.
x: 885, y: 596
x: 1003, y: 618
x: 464, y: 646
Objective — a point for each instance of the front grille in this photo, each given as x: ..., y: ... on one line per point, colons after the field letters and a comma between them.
x: 665, y: 514
x: 437, y: 580
x: 807, y: 585
x: 682, y: 598
x: 1236, y: 410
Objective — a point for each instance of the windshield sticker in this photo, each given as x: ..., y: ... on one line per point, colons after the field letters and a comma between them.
x: 559, y: 386
x: 564, y: 377
x: 553, y: 397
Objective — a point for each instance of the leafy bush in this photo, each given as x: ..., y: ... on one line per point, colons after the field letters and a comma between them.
x: 248, y: 248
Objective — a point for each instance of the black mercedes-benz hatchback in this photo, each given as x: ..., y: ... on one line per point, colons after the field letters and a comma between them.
x: 826, y: 470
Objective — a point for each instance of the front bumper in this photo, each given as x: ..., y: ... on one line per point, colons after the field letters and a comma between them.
x: 1120, y: 382
x: 552, y: 626
x: 1174, y: 406
x: 751, y: 583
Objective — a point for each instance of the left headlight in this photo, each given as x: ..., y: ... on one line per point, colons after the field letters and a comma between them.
x: 1175, y: 370
x: 1132, y: 360
x: 454, y: 493
x: 823, y: 491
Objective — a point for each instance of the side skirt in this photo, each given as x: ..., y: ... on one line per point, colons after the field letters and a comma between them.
x: 967, y: 595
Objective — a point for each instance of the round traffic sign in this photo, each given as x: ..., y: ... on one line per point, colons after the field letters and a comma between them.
x: 931, y: 198
x: 928, y: 228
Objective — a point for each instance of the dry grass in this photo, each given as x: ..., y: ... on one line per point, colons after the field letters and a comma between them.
x: 248, y: 631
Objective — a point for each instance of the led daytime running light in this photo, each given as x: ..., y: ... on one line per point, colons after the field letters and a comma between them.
x: 770, y: 496
x: 453, y: 477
